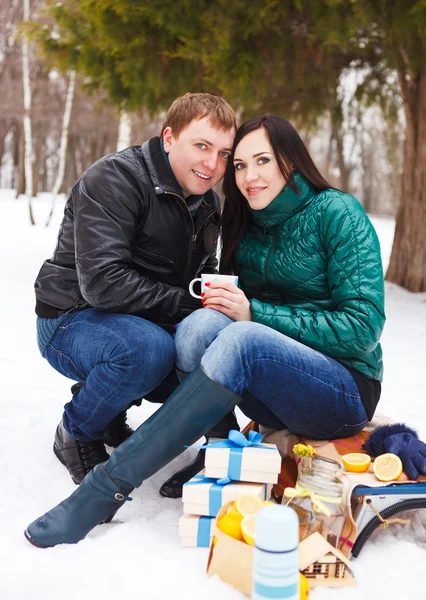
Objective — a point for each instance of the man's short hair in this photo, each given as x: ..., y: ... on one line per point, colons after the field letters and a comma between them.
x: 197, y: 106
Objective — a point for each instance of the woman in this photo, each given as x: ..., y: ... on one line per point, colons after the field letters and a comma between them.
x: 310, y: 269
x: 296, y: 344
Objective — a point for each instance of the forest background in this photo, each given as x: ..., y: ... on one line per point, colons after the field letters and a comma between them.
x: 81, y: 78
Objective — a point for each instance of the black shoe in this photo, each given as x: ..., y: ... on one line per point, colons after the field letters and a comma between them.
x: 78, y: 457
x: 118, y: 431
x: 76, y: 388
x: 172, y: 488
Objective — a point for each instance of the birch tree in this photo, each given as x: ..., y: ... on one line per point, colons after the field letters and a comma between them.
x: 64, y: 144
x: 124, y: 130
x: 27, y: 115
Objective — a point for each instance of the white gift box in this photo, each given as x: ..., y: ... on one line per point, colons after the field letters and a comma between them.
x: 196, y: 531
x: 261, y: 464
x: 202, y: 496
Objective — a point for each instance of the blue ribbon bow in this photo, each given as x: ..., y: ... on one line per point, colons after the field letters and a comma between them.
x: 236, y: 443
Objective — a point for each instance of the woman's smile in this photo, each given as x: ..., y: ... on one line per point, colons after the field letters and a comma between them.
x: 254, y: 191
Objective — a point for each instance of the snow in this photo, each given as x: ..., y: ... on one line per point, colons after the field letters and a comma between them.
x: 139, y: 554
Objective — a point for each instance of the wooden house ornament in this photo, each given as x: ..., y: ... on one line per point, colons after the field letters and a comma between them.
x: 323, y: 564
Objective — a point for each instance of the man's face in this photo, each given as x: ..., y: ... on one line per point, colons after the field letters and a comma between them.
x: 198, y: 155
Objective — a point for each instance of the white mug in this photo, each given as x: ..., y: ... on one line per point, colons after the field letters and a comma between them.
x: 207, y: 277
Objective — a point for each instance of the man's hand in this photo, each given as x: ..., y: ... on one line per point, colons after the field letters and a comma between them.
x: 228, y: 299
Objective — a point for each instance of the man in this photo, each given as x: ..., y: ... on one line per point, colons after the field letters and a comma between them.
x: 138, y: 226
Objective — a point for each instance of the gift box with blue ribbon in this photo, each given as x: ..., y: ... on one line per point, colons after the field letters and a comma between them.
x: 242, y: 459
x: 196, y: 531
x: 205, y: 496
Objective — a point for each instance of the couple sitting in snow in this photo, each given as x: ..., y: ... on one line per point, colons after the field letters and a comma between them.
x: 295, y: 344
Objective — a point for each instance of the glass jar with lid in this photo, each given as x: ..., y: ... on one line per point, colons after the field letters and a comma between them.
x: 317, y: 499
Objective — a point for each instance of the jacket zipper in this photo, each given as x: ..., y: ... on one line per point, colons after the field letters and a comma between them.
x: 193, y: 236
x: 271, y: 250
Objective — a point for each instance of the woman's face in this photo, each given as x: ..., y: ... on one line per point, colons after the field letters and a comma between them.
x: 256, y: 170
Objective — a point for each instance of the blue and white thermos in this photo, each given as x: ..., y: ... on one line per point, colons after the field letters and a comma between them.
x: 276, y: 561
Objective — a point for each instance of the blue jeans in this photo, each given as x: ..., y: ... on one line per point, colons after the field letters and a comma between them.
x: 120, y: 358
x: 283, y: 383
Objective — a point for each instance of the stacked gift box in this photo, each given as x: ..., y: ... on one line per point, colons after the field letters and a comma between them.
x: 233, y: 467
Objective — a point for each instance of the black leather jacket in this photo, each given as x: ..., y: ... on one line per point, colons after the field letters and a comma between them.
x: 128, y: 243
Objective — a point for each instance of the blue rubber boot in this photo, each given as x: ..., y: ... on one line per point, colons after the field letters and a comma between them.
x: 190, y: 412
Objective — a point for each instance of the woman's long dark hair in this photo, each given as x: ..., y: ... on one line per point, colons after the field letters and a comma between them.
x: 290, y: 151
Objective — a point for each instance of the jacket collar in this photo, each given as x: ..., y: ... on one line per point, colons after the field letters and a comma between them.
x: 159, y: 170
x: 286, y: 204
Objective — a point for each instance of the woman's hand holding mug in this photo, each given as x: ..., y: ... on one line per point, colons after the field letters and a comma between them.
x: 220, y: 292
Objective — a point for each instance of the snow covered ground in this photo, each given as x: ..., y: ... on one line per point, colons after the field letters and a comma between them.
x: 139, y: 554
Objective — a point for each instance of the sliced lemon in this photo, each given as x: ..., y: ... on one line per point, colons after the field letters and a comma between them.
x: 234, y: 513
x: 269, y: 503
x: 304, y: 587
x: 387, y: 467
x: 248, y: 525
x: 230, y: 525
x: 248, y: 504
x: 356, y: 462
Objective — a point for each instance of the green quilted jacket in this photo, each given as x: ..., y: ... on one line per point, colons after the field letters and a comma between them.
x: 310, y: 265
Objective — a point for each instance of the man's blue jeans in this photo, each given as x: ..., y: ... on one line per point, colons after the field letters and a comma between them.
x: 120, y: 358
x: 283, y: 383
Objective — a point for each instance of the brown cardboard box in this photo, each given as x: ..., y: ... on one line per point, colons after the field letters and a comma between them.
x: 230, y: 559
x: 233, y: 560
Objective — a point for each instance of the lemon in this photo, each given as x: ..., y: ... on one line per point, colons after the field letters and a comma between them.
x: 387, y: 467
x: 235, y: 514
x: 356, y: 462
x: 247, y: 529
x: 231, y: 525
x: 248, y: 504
x: 304, y: 587
x: 269, y: 503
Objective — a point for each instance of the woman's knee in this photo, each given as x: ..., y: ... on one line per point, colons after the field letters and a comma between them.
x: 237, y: 351
x: 226, y: 357
x: 195, y: 334
x: 241, y: 337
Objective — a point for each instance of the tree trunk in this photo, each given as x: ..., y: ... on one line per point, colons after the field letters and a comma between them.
x: 38, y: 158
x: 343, y: 168
x: 407, y: 266
x: 329, y: 158
x: 16, y: 133
x: 70, y: 175
x: 20, y: 188
x: 4, y: 130
x: 124, y: 131
x: 337, y: 135
x: 27, y: 116
x: 64, y: 143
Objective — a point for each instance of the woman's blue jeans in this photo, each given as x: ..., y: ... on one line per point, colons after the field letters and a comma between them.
x: 120, y: 358
x: 283, y: 383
